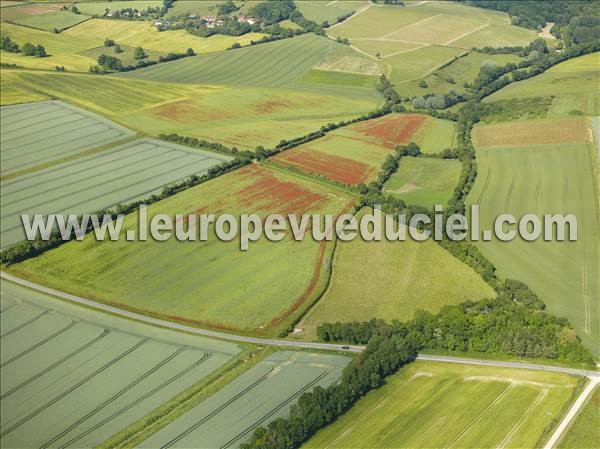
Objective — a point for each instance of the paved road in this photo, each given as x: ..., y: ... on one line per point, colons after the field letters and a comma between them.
x: 275, y: 342
x: 594, y: 376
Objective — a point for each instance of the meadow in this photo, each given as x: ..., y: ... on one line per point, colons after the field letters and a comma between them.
x: 122, y: 174
x: 572, y: 85
x: 236, y: 116
x: 218, y: 285
x: 541, y: 179
x: 354, y: 154
x: 412, y: 42
x: 42, y: 133
x: 424, y: 181
x: 585, y: 431
x: 262, y: 394
x: 329, y: 12
x: 72, y: 377
x: 391, y: 280
x: 423, y: 406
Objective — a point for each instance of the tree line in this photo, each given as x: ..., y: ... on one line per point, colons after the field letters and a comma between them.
x: 28, y: 49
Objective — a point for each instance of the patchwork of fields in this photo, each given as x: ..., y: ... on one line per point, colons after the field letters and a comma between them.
x: 424, y: 181
x: 42, y: 133
x: 42, y: 16
x: 539, y: 179
x: 415, y: 41
x: 263, y: 393
x: 424, y: 406
x: 72, y: 377
x: 218, y: 285
x: 354, y: 154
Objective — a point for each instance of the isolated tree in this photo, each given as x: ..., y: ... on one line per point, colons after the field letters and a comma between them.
x: 139, y: 53
x: 118, y: 49
x: 190, y: 52
x: 74, y: 9
x: 7, y: 44
x: 40, y: 51
x: 423, y: 84
x: 28, y: 49
x: 109, y: 42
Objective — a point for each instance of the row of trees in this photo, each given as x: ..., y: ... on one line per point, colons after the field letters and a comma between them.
x: 108, y: 63
x: 28, y: 49
x: 514, y: 323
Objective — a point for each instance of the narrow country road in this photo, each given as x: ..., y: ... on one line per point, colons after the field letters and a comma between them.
x: 594, y: 376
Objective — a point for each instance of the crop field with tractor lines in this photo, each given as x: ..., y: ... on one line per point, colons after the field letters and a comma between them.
x: 262, y: 394
x: 44, y: 132
x: 122, y: 174
x: 551, y: 178
x: 72, y: 377
x: 423, y: 406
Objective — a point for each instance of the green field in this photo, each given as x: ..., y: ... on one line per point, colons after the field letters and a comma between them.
x: 572, y: 84
x: 584, y: 433
x: 261, y: 394
x: 258, y: 66
x: 321, y: 11
x: 412, y: 42
x: 543, y: 179
x: 423, y: 181
x: 130, y: 171
x: 208, y: 283
x: 41, y: 133
x: 391, y: 280
x: 127, y: 56
x: 440, y: 405
x: 72, y: 377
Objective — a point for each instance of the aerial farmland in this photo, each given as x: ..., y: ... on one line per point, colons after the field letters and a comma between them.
x: 299, y: 224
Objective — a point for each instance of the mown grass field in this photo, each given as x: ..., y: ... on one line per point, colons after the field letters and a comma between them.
x: 572, y: 84
x: 391, y: 280
x: 440, y: 405
x: 72, y: 377
x: 414, y: 41
x: 424, y: 181
x: 244, y: 116
x: 43, y: 132
x: 585, y: 431
x: 275, y: 64
x: 545, y: 179
x: 260, y: 395
x: 122, y: 174
x: 354, y: 154
x: 209, y: 283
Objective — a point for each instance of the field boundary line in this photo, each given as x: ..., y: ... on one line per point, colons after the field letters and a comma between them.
x: 419, y: 22
x: 357, y: 13
x: 509, y: 436
x: 466, y: 34
x: 280, y: 343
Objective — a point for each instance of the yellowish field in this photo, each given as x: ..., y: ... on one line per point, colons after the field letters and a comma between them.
x: 67, y: 48
x: 533, y: 132
x: 146, y: 35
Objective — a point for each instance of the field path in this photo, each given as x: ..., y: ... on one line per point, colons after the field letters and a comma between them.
x: 572, y: 413
x: 357, y: 13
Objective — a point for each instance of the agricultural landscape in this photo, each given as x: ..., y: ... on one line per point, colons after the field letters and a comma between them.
x: 134, y: 108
